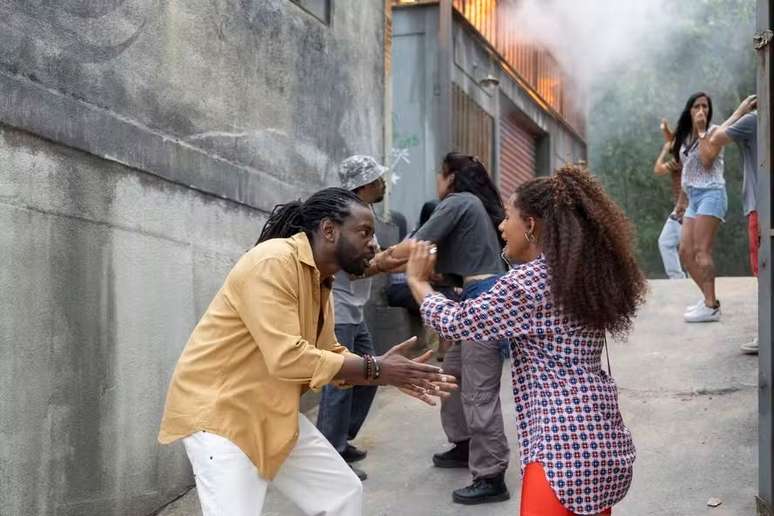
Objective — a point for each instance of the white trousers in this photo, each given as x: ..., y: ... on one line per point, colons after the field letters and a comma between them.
x: 314, y: 476
x: 668, y: 243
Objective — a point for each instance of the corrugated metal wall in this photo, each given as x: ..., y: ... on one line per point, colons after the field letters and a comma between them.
x: 532, y: 63
x: 517, y: 155
x: 473, y: 128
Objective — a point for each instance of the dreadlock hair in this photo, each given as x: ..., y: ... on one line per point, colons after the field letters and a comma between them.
x: 685, y: 123
x: 471, y: 176
x: 588, y: 247
x: 288, y: 219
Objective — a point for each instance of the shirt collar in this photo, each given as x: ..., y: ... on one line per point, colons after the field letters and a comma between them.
x: 305, y: 256
x: 304, y: 247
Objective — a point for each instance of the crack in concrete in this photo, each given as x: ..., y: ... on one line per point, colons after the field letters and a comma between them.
x: 178, y: 497
x: 699, y: 392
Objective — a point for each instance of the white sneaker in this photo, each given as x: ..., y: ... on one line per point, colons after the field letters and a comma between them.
x: 703, y: 314
x: 750, y: 348
x: 697, y: 304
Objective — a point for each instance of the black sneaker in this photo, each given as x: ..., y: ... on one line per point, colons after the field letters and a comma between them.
x: 353, y: 454
x: 457, y: 457
x: 359, y: 472
x: 483, y: 490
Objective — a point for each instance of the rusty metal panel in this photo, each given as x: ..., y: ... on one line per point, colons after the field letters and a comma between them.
x: 517, y: 155
x: 536, y: 66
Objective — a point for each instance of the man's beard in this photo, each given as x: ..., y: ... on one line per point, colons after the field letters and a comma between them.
x: 350, y: 260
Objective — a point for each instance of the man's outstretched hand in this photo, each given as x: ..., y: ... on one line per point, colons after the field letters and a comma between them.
x: 414, y: 377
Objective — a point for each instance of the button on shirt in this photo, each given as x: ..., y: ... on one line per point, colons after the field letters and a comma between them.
x: 566, y: 405
x: 266, y: 337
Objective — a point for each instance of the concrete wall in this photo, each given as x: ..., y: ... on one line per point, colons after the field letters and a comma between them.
x: 416, y: 105
x: 142, y: 144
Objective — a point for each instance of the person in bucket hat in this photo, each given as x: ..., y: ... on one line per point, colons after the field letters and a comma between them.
x: 359, y: 171
x: 343, y: 411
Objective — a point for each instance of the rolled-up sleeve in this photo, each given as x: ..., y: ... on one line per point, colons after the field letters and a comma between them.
x: 267, y: 301
x: 744, y: 129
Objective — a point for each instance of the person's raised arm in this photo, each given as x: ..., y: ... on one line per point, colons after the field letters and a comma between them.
x: 384, y: 261
x: 711, y: 144
x: 442, y: 222
x: 496, y: 314
x: 664, y: 166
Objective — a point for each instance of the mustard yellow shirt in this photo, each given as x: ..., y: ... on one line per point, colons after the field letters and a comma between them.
x: 265, y: 338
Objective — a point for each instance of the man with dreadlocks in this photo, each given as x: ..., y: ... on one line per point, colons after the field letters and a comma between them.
x: 267, y: 337
x: 342, y: 412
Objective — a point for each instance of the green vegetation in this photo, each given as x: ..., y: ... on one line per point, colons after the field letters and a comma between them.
x: 708, y: 48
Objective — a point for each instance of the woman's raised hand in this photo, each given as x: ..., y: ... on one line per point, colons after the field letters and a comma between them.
x: 421, y: 262
x: 666, y: 132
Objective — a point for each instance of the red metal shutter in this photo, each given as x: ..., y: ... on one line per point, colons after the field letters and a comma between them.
x: 517, y: 156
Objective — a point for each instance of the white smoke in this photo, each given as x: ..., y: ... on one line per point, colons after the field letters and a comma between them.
x: 592, y: 38
x: 603, y: 45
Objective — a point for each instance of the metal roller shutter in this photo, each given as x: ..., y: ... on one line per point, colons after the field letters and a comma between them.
x: 517, y: 156
x: 473, y: 128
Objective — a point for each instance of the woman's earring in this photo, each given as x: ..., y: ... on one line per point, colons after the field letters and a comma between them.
x: 530, y: 236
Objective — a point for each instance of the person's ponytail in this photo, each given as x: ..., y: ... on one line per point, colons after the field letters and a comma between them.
x: 588, y: 246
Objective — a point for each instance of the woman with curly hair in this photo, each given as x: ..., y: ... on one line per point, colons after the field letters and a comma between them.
x: 578, y: 281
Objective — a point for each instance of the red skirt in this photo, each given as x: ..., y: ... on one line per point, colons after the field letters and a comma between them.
x: 537, y: 497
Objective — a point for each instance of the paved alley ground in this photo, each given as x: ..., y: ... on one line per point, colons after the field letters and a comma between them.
x: 686, y: 392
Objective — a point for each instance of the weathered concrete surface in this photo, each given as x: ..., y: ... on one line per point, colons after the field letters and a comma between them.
x: 142, y: 143
x: 227, y: 96
x: 690, y: 398
x: 105, y: 271
x: 687, y: 394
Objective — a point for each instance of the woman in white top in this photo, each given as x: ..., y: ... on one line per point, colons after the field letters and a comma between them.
x: 707, y: 202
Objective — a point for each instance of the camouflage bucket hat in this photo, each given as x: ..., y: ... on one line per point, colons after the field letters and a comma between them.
x: 357, y: 171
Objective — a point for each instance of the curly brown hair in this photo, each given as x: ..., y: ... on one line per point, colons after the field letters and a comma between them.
x: 588, y: 247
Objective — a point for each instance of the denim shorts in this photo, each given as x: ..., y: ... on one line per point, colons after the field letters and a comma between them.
x: 706, y: 201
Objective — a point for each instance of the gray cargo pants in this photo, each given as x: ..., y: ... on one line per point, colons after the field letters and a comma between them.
x: 473, y: 412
